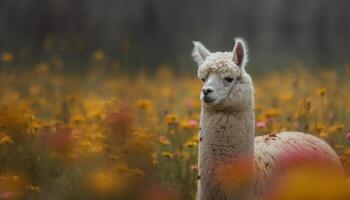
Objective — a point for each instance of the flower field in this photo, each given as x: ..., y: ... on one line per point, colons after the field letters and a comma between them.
x: 107, y: 134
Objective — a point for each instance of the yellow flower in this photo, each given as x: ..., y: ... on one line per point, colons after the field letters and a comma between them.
x: 322, y: 91
x: 5, y: 139
x: 77, y: 118
x: 184, y: 124
x: 336, y: 127
x: 167, y: 154
x: 7, y: 57
x: 191, y: 143
x: 143, y: 104
x: 188, y: 124
x: 196, y: 138
x: 171, y: 119
x: 324, y: 134
x: 347, y: 152
x: 320, y: 127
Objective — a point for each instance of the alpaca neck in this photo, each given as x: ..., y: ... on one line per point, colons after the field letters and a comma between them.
x: 227, y: 138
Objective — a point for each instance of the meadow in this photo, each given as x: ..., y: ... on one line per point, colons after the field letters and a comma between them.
x: 107, y: 134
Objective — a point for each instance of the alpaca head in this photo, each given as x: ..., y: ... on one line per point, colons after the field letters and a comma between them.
x: 227, y: 86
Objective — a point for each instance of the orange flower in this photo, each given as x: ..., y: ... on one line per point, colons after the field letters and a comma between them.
x: 143, y: 104
x: 7, y: 57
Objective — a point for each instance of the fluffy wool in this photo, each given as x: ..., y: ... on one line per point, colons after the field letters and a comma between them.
x: 227, y: 134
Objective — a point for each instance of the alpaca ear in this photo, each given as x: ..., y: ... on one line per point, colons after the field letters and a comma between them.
x: 199, y: 52
x: 240, y: 53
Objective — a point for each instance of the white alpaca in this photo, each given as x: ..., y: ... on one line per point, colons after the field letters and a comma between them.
x: 228, y: 128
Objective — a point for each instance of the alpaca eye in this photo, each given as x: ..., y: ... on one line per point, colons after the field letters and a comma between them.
x: 228, y: 79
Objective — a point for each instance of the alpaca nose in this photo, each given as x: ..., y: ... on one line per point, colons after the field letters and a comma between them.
x: 206, y: 91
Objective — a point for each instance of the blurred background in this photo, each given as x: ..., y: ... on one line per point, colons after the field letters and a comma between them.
x: 146, y: 33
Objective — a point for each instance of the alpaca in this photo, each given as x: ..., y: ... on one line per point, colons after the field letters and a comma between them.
x: 227, y: 130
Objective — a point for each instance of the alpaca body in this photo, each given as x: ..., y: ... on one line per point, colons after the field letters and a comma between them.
x: 233, y: 164
x: 269, y: 149
x: 224, y: 139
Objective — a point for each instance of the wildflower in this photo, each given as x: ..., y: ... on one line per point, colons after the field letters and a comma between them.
x: 77, y: 118
x: 196, y: 138
x: 189, y: 124
x: 190, y: 143
x: 322, y: 91
x: 320, y: 127
x: 163, y: 140
x: 5, y: 139
x: 34, y: 125
x: 143, y: 104
x: 167, y: 154
x: 261, y: 124
x: 184, y: 124
x: 324, y: 134
x: 347, y: 152
x: 7, y: 57
x: 171, y: 119
x: 194, y: 168
x: 336, y: 127
x: 193, y: 123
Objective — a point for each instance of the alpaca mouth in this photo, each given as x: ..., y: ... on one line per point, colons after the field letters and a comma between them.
x: 208, y: 99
